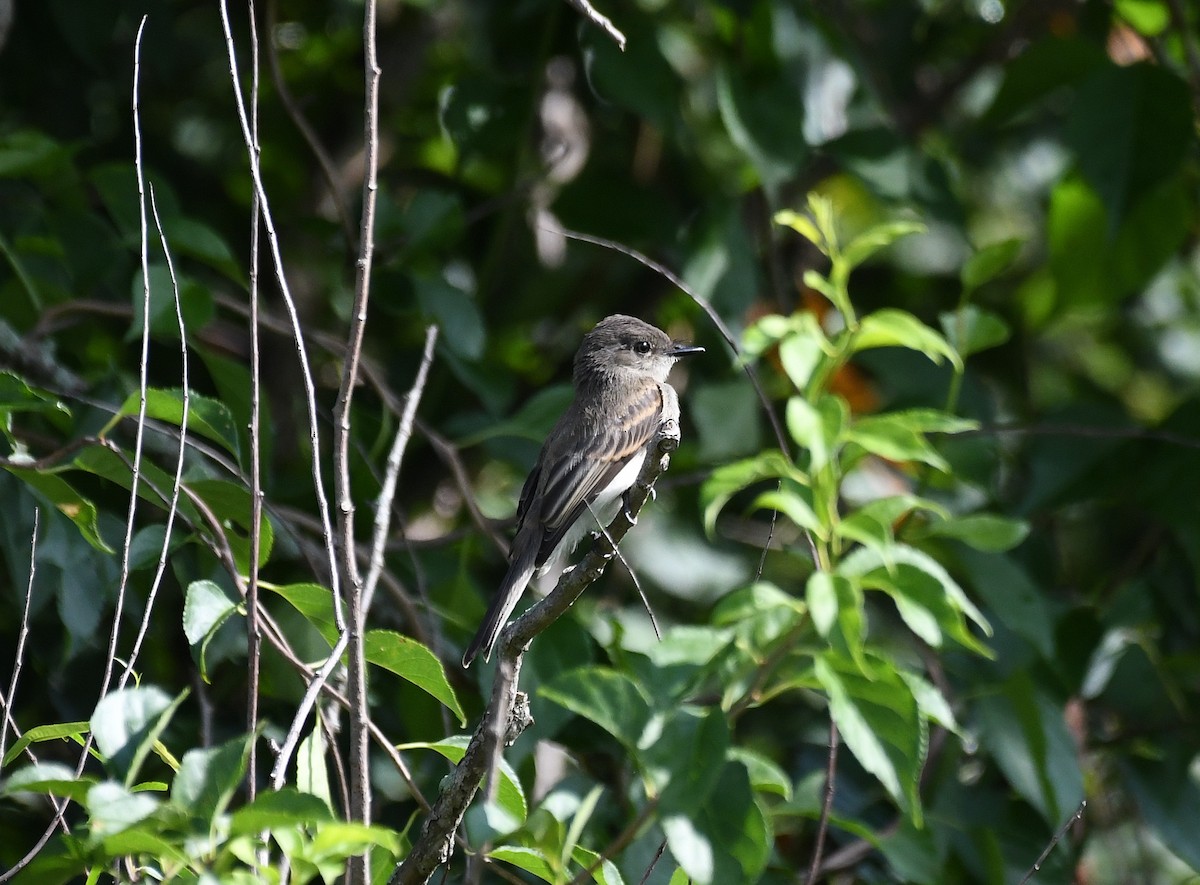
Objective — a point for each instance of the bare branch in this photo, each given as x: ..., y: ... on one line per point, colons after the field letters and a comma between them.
x: 1062, y: 831
x: 173, y: 507
x: 584, y: 8
x: 507, y: 712
x: 826, y: 806
x: 21, y: 637
x: 143, y: 376
x: 358, y: 867
x: 383, y: 507
x: 253, y: 630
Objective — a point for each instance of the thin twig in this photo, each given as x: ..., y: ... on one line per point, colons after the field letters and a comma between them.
x: 662, y: 846
x: 826, y: 806
x: 357, y: 867
x: 21, y: 636
x: 632, y: 574
x: 1084, y: 431
x: 173, y: 506
x: 584, y: 8
x: 143, y: 374
x: 1062, y: 831
x: 253, y: 630
x: 311, y: 692
x: 387, y: 493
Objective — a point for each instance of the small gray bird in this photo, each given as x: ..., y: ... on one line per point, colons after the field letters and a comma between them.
x: 591, y: 457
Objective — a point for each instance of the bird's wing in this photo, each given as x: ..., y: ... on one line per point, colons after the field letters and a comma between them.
x: 574, y: 477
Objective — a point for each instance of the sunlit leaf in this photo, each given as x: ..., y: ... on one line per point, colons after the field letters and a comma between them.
x: 509, y: 793
x: 897, y: 328
x: 412, y: 661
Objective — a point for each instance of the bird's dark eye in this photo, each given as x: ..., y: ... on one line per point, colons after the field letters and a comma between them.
x: 642, y: 346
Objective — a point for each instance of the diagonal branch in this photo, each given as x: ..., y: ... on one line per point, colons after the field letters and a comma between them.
x: 507, y: 713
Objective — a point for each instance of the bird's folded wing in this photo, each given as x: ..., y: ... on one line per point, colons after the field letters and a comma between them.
x: 573, y: 481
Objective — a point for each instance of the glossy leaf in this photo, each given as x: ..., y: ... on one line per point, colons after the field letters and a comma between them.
x: 896, y: 328
x: 879, y: 721
x: 412, y: 661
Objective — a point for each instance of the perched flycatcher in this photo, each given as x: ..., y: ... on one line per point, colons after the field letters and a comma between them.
x: 591, y: 457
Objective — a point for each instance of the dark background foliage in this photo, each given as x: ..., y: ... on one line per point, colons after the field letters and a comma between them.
x: 1065, y: 128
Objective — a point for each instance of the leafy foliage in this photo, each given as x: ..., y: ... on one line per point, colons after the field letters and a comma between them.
x: 954, y: 244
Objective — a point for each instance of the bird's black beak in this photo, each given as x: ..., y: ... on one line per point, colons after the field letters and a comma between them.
x: 678, y: 349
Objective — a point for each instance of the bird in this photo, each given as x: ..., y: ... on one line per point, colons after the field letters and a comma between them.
x: 591, y: 456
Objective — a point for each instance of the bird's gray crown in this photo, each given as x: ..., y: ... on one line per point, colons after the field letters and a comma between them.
x: 624, y: 348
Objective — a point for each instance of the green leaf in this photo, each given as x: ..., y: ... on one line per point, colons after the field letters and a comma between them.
x: 52, y: 778
x: 792, y: 502
x: 531, y: 860
x: 1130, y: 128
x: 897, y: 328
x: 988, y: 263
x: 312, y: 776
x: 971, y: 329
x: 725, y: 840
x: 765, y: 775
x: 231, y: 503
x: 339, y: 840
x: 509, y: 793
x: 206, y: 607
x: 1012, y: 597
x: 728, y: 480
x: 764, y: 116
x: 314, y: 602
x: 931, y: 702
x: 197, y: 240
x: 890, y: 436
x: 412, y: 661
x: 878, y: 237
x: 924, y: 591
x: 804, y: 226
x: 610, y: 699
x: 208, y: 778
x: 456, y: 313
x: 17, y: 396
x: 27, y: 153
x: 279, y: 809
x: 39, y: 733
x: 126, y: 724
x: 1026, y: 734
x: 195, y: 304
x: 208, y: 417
x: 1044, y: 67
x: 817, y: 427
x: 759, y: 614
x: 801, y: 354
x: 822, y: 598
x: 605, y: 873
x: 682, y: 752
x: 879, y: 721
x: 62, y: 495
x: 1167, y: 794
x: 983, y: 531
x: 113, y: 808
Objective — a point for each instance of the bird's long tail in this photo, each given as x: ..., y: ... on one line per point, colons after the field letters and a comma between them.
x: 519, y: 572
